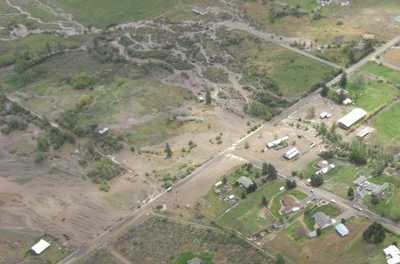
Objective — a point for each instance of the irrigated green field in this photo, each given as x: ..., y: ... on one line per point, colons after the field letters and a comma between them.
x: 372, y: 95
x: 387, y: 124
x: 388, y: 74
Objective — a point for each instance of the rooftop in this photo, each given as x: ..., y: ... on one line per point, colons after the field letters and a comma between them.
x: 245, y: 182
x: 392, y: 254
x: 40, y: 246
x: 342, y: 230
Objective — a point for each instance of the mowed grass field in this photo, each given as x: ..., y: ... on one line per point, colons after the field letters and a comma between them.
x: 386, y: 73
x: 388, y: 125
x: 372, y: 95
x: 339, y: 180
x: 329, y: 248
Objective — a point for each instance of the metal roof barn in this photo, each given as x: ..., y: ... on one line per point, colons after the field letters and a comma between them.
x: 352, y: 118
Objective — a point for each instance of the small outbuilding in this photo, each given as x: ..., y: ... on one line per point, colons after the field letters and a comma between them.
x: 40, y: 246
x: 392, y: 254
x: 342, y: 230
x: 275, y: 143
x: 352, y: 118
x: 195, y: 261
x: 291, y: 154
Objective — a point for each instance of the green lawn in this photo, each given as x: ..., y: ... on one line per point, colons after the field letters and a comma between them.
x: 372, y: 95
x: 102, y: 13
x: 249, y: 217
x: 339, y: 180
x: 276, y: 202
x: 387, y: 124
x: 384, y: 72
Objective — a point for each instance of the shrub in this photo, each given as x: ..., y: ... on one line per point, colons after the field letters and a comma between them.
x: 82, y: 81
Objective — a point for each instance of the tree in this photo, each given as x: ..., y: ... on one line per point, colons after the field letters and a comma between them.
x: 264, y: 169
x: 324, y: 91
x: 374, y: 234
x: 358, y: 153
x: 291, y: 184
x: 343, y: 80
x: 350, y: 193
x: 224, y: 180
x: 244, y: 195
x: 316, y: 180
x: 374, y: 199
x: 318, y: 231
x: 168, y: 151
x: 280, y: 259
x: 272, y: 173
x: 264, y: 201
x: 208, y: 97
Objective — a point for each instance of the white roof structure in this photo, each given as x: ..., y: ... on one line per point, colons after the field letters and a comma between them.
x: 352, y: 118
x: 324, y: 115
x: 40, y: 246
x: 277, y: 142
x: 365, y: 132
x: 218, y: 184
x: 347, y: 101
x: 325, y: 170
x: 292, y: 153
x: 342, y: 230
x: 104, y: 130
x: 392, y: 254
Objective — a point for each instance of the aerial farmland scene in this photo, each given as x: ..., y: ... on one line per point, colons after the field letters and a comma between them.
x: 199, y: 132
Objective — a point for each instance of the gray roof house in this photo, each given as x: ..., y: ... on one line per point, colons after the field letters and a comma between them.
x: 245, y: 182
x: 322, y: 220
x: 195, y: 261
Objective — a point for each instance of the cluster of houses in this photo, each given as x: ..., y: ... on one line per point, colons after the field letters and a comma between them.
x: 364, y: 187
x: 282, y: 142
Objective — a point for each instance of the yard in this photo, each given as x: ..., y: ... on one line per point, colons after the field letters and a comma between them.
x: 249, y: 216
x: 339, y: 180
x: 329, y: 209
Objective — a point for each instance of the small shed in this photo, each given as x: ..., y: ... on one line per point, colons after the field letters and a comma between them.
x: 40, y: 246
x: 392, y: 254
x: 342, y: 230
x: 195, y: 261
x: 291, y: 154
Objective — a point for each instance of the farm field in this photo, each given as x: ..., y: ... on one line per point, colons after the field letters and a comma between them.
x: 386, y: 73
x: 392, y: 57
x: 372, y: 95
x: 329, y: 247
x: 104, y: 13
x: 137, y: 245
x: 388, y: 131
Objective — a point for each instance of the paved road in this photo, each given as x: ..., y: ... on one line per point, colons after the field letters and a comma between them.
x: 117, y: 229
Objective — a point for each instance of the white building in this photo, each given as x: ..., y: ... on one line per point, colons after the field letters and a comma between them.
x: 352, y: 118
x: 325, y: 170
x: 277, y: 142
x: 364, y: 132
x: 325, y: 115
x: 392, y: 254
x: 291, y: 154
x: 40, y: 246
